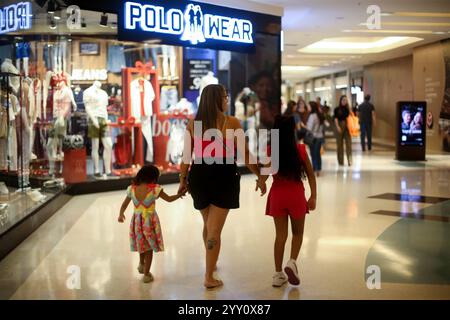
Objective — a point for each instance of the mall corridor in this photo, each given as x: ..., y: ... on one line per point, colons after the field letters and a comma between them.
x: 379, y: 212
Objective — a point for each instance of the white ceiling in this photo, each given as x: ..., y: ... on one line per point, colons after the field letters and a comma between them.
x: 308, y: 21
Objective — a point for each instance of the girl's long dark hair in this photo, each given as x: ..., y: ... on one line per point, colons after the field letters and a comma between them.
x: 211, y: 103
x: 147, y: 175
x: 291, y: 165
x: 315, y: 109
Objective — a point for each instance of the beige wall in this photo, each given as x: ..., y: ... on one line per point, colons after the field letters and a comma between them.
x: 429, y: 85
x: 388, y: 82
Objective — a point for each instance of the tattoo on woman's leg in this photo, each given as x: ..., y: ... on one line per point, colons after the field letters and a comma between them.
x: 211, y: 243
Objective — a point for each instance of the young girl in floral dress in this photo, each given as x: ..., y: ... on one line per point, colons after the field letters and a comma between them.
x: 145, y: 229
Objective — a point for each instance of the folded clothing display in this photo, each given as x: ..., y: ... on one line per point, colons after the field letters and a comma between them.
x: 55, y: 183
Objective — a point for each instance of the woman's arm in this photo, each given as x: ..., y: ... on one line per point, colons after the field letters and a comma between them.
x: 312, y: 184
x: 124, y: 206
x: 187, y: 156
x: 250, y: 161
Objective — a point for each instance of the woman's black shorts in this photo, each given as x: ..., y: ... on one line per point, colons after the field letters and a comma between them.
x: 216, y: 184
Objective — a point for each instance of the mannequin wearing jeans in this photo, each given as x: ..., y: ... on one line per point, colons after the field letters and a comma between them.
x: 96, y: 102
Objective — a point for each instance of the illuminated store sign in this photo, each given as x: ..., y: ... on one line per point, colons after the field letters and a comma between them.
x: 15, y: 17
x: 190, y: 24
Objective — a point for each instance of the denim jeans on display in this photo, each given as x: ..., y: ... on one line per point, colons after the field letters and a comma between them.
x: 116, y: 59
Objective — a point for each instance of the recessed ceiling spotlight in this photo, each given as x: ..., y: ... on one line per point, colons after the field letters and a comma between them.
x: 438, y: 32
x: 104, y: 20
x: 51, y: 22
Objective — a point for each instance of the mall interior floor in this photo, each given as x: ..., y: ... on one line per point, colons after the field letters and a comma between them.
x: 370, y: 214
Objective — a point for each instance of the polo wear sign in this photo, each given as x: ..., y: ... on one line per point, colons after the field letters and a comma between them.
x: 15, y: 17
x: 186, y: 24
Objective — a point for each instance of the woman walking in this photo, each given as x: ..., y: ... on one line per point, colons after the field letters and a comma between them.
x: 341, y: 113
x: 213, y: 181
x: 315, y: 125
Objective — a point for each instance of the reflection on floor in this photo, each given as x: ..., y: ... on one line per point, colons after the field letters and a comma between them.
x: 342, y: 238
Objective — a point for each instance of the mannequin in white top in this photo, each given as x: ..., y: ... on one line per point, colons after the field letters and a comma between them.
x: 14, y: 81
x: 96, y: 102
x: 206, y: 81
x: 63, y: 100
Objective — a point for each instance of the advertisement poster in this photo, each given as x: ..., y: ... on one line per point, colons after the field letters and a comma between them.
x: 195, y: 70
x: 444, y: 120
x: 412, y: 128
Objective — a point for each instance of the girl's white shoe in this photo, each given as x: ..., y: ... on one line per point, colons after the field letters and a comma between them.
x: 292, y: 272
x: 278, y: 279
x: 148, y: 278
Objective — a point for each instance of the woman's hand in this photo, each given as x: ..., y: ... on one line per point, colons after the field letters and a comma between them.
x: 261, y: 184
x: 121, y: 218
x: 312, y: 203
x: 182, y: 189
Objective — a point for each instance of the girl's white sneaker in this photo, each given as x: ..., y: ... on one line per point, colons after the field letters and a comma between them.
x: 148, y: 278
x: 278, y: 279
x: 292, y: 272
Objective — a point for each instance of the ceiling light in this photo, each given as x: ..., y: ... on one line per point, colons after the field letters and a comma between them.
x: 104, y: 20
x: 318, y: 89
x: 341, y: 86
x: 295, y: 68
x: 362, y: 45
x: 386, y: 14
x: 422, y: 14
x: 397, y: 32
x: 438, y: 32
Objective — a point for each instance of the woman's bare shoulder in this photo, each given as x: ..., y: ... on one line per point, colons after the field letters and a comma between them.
x: 233, y: 122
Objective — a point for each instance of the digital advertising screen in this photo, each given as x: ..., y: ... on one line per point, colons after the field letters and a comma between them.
x: 412, y: 127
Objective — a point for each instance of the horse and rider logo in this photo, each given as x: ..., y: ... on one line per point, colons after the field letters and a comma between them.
x: 193, y: 31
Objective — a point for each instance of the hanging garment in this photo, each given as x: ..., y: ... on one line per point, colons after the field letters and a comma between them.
x: 116, y: 58
x: 78, y: 96
x: 36, y: 97
x: 123, y: 150
x: 174, y: 152
x: 142, y: 96
x: 169, y: 97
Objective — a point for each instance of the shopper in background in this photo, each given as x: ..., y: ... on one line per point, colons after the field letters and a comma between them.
x: 214, y: 185
x: 315, y: 124
x: 287, y: 199
x: 303, y: 113
x: 341, y: 113
x: 145, y: 229
x: 291, y: 110
x: 319, y: 104
x: 367, y: 119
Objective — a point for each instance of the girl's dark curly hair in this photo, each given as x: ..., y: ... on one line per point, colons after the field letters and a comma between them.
x: 147, y: 175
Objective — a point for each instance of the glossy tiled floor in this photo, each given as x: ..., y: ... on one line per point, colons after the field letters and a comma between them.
x: 341, y: 238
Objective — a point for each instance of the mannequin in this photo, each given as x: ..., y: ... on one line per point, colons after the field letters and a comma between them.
x: 206, y: 80
x: 96, y: 102
x: 14, y: 82
x: 8, y: 141
x: 62, y: 101
x: 142, y: 96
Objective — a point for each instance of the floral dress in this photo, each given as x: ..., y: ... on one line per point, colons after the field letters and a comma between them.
x: 145, y: 229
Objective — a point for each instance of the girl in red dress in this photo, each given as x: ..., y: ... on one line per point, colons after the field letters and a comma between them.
x: 287, y: 198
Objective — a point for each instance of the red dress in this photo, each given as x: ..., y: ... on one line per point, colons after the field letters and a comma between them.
x: 287, y: 197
